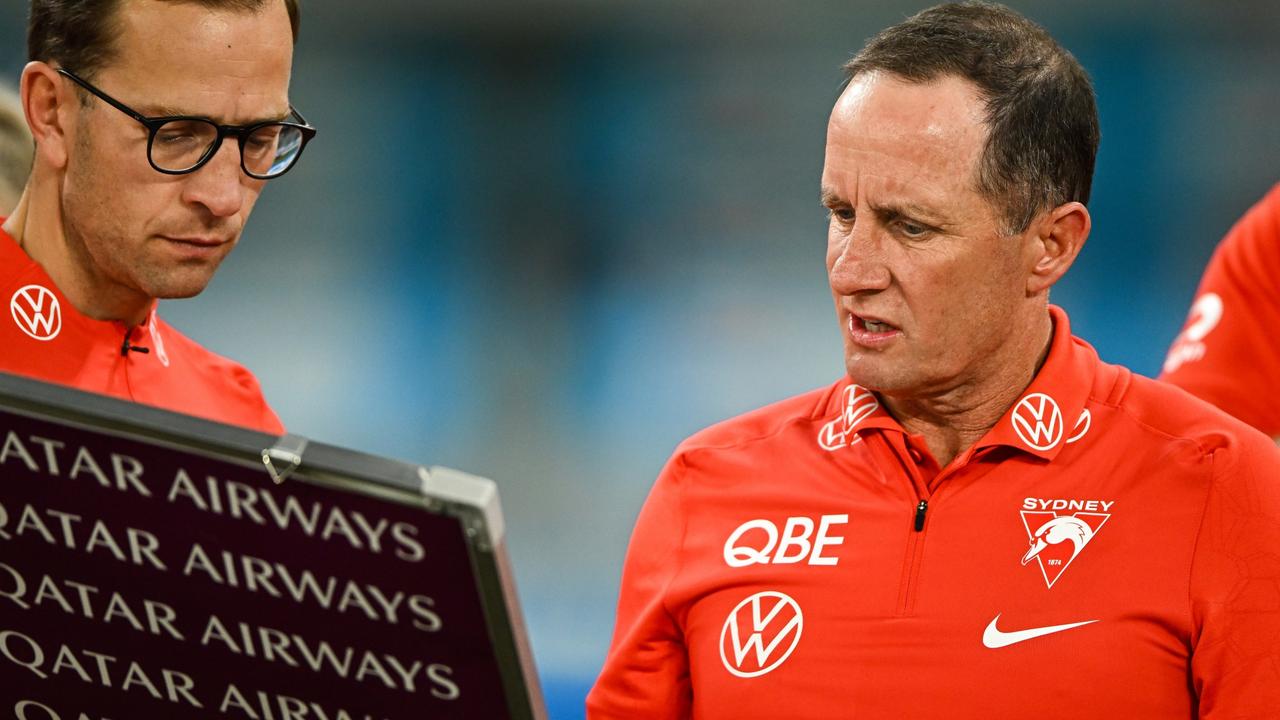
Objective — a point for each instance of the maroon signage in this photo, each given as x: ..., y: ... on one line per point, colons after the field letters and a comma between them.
x: 142, y: 581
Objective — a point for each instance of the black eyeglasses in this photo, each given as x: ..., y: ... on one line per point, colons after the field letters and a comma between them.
x: 181, y: 144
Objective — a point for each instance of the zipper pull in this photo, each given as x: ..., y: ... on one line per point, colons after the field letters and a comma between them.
x: 128, y: 347
x: 921, y: 509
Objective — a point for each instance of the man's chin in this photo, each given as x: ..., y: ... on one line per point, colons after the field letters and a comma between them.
x: 179, y: 289
x: 184, y: 295
x: 870, y: 381
x: 179, y: 281
x: 873, y: 375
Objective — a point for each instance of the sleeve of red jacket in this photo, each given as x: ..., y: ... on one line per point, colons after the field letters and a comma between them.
x: 1235, y: 586
x: 258, y: 414
x: 1229, y: 352
x: 646, y: 673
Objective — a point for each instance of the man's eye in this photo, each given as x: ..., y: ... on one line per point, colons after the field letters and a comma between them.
x: 259, y: 144
x: 844, y: 215
x: 173, y: 138
x: 912, y: 230
x: 185, y: 132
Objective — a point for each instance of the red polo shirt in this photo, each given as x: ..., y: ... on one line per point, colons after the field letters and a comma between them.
x: 1108, y: 549
x: 44, y: 337
x: 1228, y: 353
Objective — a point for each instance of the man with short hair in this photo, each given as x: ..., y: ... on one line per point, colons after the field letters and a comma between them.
x: 982, y: 520
x: 157, y: 123
x: 15, y: 150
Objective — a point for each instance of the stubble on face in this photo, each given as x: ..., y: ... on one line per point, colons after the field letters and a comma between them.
x: 122, y: 260
x: 128, y: 227
x: 953, y: 294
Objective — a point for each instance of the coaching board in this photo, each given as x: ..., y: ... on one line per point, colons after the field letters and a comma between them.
x: 154, y: 565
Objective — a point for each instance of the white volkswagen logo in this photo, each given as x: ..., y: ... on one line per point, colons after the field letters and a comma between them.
x: 36, y: 311
x: 859, y: 404
x: 1038, y: 421
x: 754, y: 633
x: 1083, y: 423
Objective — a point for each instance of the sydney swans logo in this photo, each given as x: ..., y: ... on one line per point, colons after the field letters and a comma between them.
x: 1057, y: 539
x: 36, y: 311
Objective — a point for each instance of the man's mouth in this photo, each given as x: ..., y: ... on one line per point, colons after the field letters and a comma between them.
x: 201, y: 241
x: 877, y: 327
x: 866, y: 324
x: 871, y: 332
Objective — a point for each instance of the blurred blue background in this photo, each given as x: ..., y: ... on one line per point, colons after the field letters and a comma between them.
x: 544, y: 240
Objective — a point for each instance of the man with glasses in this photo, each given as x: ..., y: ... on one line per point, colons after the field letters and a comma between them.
x: 157, y: 123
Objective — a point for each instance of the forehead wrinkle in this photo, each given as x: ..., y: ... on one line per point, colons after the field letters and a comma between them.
x: 859, y: 139
x: 912, y: 184
x: 831, y: 196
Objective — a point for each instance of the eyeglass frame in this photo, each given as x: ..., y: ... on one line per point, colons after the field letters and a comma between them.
x: 241, y: 132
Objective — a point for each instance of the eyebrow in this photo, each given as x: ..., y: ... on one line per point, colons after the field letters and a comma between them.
x: 889, y: 210
x: 156, y: 111
x: 908, y: 209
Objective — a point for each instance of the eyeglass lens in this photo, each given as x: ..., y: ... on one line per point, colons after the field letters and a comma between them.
x: 180, y: 145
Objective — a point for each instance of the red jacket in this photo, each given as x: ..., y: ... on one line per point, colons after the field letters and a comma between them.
x: 44, y: 337
x: 1228, y: 353
x: 1110, y: 549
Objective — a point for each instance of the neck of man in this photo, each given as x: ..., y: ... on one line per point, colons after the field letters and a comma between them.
x: 953, y: 419
x: 36, y: 224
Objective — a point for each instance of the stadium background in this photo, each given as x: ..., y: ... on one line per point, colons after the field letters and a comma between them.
x: 544, y: 240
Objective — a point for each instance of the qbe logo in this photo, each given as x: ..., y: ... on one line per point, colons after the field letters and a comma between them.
x: 758, y: 542
x: 755, y: 632
x: 36, y: 311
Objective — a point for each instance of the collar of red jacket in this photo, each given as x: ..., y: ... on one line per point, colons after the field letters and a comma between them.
x: 1049, y: 415
x: 18, y: 269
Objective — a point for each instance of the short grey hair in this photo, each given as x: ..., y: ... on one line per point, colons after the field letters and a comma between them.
x: 1042, y: 117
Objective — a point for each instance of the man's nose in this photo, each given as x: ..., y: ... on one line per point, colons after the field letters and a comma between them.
x: 860, y: 263
x: 218, y: 185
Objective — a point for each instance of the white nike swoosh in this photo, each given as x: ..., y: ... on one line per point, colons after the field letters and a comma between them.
x: 994, y: 638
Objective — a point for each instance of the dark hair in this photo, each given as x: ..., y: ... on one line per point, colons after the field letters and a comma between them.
x: 1041, y: 114
x: 80, y: 34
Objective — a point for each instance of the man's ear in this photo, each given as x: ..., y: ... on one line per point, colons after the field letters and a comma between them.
x: 48, y: 104
x: 1058, y: 236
